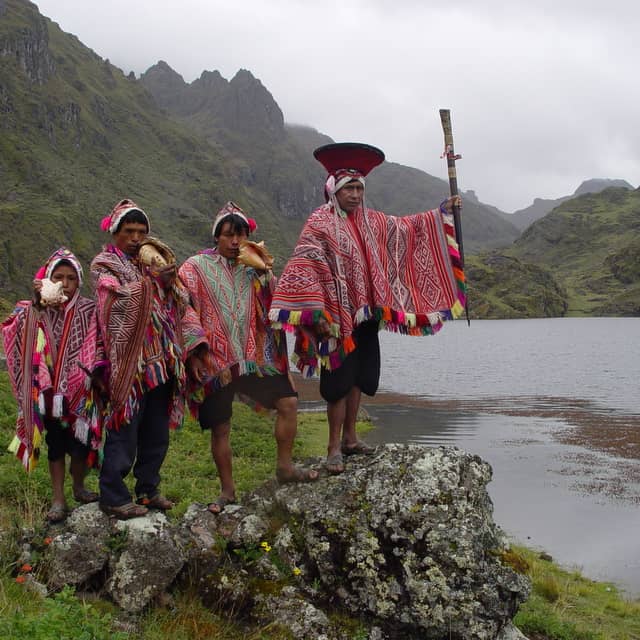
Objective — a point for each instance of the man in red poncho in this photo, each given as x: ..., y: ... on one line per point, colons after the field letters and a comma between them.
x: 355, y: 271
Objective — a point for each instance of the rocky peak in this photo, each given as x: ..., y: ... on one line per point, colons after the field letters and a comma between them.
x: 595, y: 185
x: 166, y: 85
x: 242, y: 104
x: 28, y: 45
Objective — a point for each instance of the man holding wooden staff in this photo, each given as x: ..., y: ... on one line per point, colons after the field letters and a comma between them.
x: 355, y: 271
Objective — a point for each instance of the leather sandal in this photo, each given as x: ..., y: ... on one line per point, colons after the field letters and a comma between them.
x: 219, y: 504
x: 85, y: 496
x: 157, y: 502
x: 125, y: 511
x: 360, y: 447
x: 57, y: 513
x: 296, y: 474
x: 335, y: 464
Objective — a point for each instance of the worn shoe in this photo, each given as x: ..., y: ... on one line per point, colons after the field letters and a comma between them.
x: 157, y: 502
x: 219, y: 504
x: 125, y: 511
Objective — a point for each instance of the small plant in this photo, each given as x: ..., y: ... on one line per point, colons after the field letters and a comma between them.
x: 548, y: 588
x: 117, y: 541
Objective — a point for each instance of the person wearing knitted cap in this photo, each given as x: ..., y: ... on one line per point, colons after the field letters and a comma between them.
x: 50, y: 343
x: 233, y: 350
x: 139, y: 310
x: 355, y: 271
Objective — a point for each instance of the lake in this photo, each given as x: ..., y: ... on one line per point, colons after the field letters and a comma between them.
x: 554, y: 406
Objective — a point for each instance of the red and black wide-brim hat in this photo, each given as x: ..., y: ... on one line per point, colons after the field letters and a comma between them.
x: 347, y: 157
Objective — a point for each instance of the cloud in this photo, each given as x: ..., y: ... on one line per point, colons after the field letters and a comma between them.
x: 542, y: 94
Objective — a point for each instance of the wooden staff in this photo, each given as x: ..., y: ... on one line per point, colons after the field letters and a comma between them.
x: 445, y: 119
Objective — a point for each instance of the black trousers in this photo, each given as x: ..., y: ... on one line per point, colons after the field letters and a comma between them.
x: 141, y: 444
x: 361, y: 368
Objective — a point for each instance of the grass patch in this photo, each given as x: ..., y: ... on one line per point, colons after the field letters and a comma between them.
x: 566, y: 606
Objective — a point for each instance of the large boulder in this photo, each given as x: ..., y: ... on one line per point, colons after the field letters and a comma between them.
x: 407, y: 541
x: 402, y: 545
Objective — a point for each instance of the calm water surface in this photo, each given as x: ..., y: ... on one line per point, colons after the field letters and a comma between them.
x: 594, y: 359
x: 501, y: 389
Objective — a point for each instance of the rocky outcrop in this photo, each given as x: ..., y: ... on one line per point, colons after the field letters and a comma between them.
x: 242, y: 104
x: 402, y: 545
x: 29, y: 46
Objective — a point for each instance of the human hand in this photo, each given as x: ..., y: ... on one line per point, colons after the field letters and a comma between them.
x: 323, y: 329
x: 196, y: 368
x: 450, y: 203
x: 101, y: 388
x: 37, y: 288
x: 166, y: 274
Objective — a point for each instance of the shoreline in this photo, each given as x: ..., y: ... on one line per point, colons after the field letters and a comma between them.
x: 615, y: 434
x: 566, y: 471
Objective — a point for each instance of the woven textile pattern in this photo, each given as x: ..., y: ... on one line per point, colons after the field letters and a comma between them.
x: 46, y: 350
x: 229, y: 312
x: 140, y: 324
x: 396, y: 269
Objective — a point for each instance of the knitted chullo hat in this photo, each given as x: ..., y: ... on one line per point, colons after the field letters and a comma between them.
x: 59, y: 255
x: 229, y: 209
x: 110, y: 223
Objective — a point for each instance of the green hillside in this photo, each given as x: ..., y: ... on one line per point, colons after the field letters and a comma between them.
x: 592, y: 244
x: 77, y: 135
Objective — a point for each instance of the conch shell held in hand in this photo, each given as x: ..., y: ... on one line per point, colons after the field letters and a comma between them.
x: 255, y: 254
x: 51, y: 293
x: 155, y: 253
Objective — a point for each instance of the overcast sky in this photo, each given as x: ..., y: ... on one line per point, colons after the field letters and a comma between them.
x: 543, y: 94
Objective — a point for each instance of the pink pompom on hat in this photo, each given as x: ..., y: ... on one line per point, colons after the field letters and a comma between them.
x: 229, y: 209
x: 110, y: 223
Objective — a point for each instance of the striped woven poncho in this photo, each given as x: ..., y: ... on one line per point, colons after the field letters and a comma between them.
x: 48, y: 351
x: 403, y: 271
x: 140, y: 324
x: 229, y: 303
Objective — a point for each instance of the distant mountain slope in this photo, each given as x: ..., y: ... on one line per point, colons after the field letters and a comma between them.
x: 278, y: 158
x: 76, y: 135
x: 591, y: 243
x: 541, y: 207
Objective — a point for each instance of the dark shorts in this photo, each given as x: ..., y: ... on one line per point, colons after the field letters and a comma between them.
x: 265, y: 390
x: 361, y: 368
x: 61, y: 441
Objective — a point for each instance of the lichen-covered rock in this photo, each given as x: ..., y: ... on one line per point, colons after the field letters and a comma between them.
x: 149, y: 562
x: 406, y: 539
x: 301, y: 618
x: 80, y: 551
x: 402, y: 545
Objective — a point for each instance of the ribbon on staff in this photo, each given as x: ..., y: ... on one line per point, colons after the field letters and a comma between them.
x: 451, y: 156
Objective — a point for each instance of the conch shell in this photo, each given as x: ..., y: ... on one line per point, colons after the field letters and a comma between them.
x: 255, y: 254
x: 51, y: 293
x: 155, y: 253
